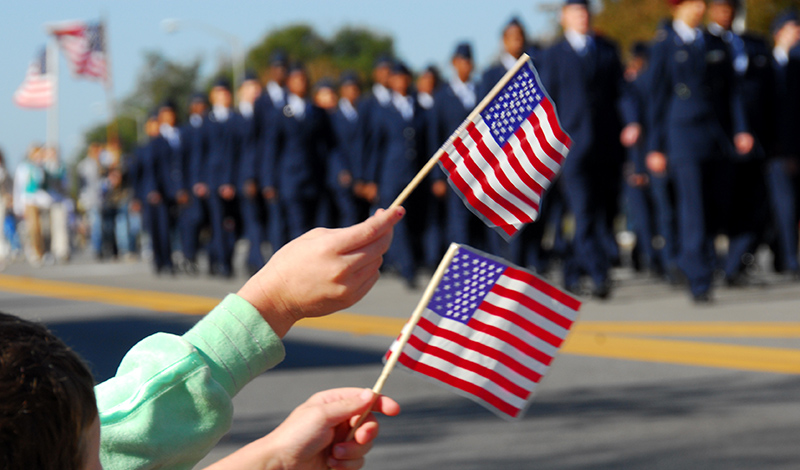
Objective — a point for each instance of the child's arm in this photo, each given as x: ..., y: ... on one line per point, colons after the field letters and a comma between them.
x: 170, y: 401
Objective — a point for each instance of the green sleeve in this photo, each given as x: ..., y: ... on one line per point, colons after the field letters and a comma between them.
x: 170, y: 402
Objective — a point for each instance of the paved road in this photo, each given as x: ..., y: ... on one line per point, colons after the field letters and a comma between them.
x: 646, y: 380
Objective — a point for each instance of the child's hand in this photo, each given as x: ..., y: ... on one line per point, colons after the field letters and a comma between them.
x: 321, y: 272
x: 312, y: 437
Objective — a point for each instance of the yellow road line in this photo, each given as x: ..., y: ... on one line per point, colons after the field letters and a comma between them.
x: 619, y: 340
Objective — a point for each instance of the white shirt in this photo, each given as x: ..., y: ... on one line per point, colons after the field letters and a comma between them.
x: 507, y: 60
x: 171, y: 134
x: 297, y: 105
x: 221, y: 113
x: 781, y: 56
x: 404, y: 104
x: 577, y: 40
x: 685, y: 32
x: 464, y: 91
x: 276, y: 93
x: 246, y: 109
x: 425, y: 100
x: 196, y: 120
x: 348, y: 110
x: 382, y: 94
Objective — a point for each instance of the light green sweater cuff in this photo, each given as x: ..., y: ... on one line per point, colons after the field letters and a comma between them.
x: 236, y: 342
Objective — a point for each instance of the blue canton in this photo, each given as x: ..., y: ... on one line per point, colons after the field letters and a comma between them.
x: 465, y: 284
x: 513, y: 104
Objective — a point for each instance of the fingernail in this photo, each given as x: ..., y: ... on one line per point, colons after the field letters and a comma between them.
x: 401, y: 211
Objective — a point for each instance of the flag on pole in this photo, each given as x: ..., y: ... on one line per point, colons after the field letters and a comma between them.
x: 490, y: 331
x: 84, y: 46
x: 502, y: 159
x: 37, y: 89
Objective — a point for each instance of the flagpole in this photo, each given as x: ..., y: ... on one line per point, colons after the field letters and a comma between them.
x: 523, y: 59
x: 52, y: 112
x: 112, y: 130
x: 412, y: 322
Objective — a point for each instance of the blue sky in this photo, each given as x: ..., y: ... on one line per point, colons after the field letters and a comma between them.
x: 425, y: 31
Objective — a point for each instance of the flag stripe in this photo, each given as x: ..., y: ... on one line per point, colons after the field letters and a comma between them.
x: 533, y: 305
x: 548, y: 290
x: 467, y: 365
x: 518, y: 320
x: 482, y: 178
x: 483, y: 344
x: 512, y: 340
x: 459, y: 383
x: 490, y: 166
x: 538, y: 320
x: 533, y: 127
x: 477, y: 199
x: 558, y: 133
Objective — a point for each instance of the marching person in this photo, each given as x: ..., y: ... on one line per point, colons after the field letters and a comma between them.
x: 696, y: 121
x: 192, y: 209
x: 347, y: 127
x: 583, y: 74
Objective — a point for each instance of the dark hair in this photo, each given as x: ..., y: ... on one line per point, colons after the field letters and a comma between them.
x: 47, y: 402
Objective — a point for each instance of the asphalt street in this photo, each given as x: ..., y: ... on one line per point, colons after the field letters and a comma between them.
x: 646, y: 379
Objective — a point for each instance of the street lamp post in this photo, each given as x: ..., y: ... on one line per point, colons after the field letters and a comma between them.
x: 172, y: 25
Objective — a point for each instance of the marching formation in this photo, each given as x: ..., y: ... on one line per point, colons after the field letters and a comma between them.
x: 696, y: 136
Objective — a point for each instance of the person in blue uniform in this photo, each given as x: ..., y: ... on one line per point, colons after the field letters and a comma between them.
x: 398, y: 145
x: 783, y: 167
x: 156, y: 162
x: 346, y: 121
x: 297, y: 148
x: 515, y: 43
x: 219, y: 134
x: 696, y: 121
x: 378, y: 100
x: 248, y: 128
x: 267, y: 107
x: 192, y: 213
x: 583, y: 75
x: 454, y: 101
x: 748, y: 206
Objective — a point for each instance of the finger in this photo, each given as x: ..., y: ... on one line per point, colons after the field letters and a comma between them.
x: 367, y: 253
x: 351, y: 450
x: 337, y: 411
x: 345, y: 464
x: 359, y: 235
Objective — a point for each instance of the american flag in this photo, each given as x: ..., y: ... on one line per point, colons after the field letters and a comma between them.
x: 37, y: 90
x: 490, y: 331
x: 503, y: 160
x: 84, y: 45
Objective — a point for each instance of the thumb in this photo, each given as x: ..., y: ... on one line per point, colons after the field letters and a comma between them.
x: 339, y: 411
x: 359, y: 235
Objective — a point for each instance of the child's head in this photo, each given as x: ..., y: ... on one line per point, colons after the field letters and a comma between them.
x: 48, y: 413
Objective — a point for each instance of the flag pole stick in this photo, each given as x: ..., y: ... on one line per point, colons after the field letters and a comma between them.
x: 523, y: 59
x: 412, y: 322
x: 52, y: 112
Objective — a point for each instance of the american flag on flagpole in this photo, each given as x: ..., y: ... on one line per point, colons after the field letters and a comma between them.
x: 84, y: 46
x: 502, y: 159
x: 37, y: 90
x: 490, y: 331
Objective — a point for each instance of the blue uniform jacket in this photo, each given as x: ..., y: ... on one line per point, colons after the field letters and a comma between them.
x: 349, y: 143
x: 296, y: 152
x: 693, y: 85
x: 219, y: 141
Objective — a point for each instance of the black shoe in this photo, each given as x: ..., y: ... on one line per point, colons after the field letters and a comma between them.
x: 603, y: 291
x: 702, y: 298
x: 190, y: 267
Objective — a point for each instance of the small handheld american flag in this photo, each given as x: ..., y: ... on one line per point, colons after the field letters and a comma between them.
x: 506, y: 154
x: 489, y: 331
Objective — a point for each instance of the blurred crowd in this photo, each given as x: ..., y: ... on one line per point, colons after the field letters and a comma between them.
x: 696, y: 136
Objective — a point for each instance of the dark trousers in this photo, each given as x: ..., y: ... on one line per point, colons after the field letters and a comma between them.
x: 661, y: 190
x: 156, y: 221
x: 782, y: 179
x: 223, y: 232
x: 253, y: 227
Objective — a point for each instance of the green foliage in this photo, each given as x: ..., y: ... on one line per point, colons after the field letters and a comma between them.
x: 350, y: 48
x: 760, y: 13
x: 162, y: 79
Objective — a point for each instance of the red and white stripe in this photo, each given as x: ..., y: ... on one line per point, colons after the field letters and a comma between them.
x: 504, y: 185
x: 37, y: 90
x: 73, y: 38
x: 501, y: 354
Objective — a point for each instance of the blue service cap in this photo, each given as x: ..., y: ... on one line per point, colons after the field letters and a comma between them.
x: 324, y: 82
x: 383, y: 61
x: 433, y: 70
x: 400, y: 68
x: 223, y: 83
x: 349, y: 77
x: 279, y: 59
x: 514, y: 21
x: 197, y: 97
x: 786, y: 16
x: 463, y: 50
x: 733, y: 3
x: 168, y: 103
x: 297, y: 66
x: 249, y: 74
x: 577, y: 2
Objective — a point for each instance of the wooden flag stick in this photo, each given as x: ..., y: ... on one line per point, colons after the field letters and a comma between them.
x: 436, y: 156
x: 401, y: 342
